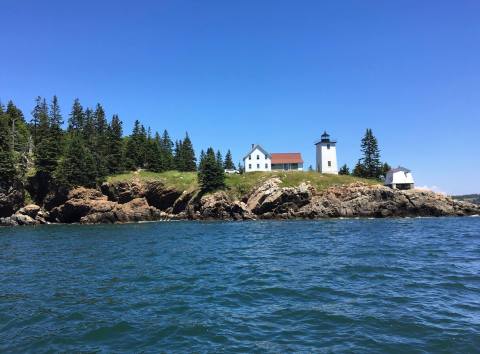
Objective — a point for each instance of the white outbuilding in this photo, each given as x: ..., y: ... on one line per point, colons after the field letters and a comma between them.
x: 399, y: 178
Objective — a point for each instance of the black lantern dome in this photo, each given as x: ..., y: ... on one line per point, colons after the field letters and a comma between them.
x: 325, y: 137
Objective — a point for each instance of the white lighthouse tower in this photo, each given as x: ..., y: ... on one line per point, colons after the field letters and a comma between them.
x: 326, y: 155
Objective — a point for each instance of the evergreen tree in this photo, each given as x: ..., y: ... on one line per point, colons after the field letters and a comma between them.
x: 371, y: 156
x: 40, y: 120
x: 344, y: 170
x: 211, y: 175
x: 177, y: 156
x: 189, y: 161
x: 100, y: 143
x: 220, y: 159
x: 7, y: 165
x: 240, y: 168
x: 136, y: 146
x: 76, y: 119
x: 19, y: 130
x: 228, y: 164
x: 359, y: 170
x: 115, y: 146
x: 385, y: 168
x: 167, y: 151
x: 77, y: 168
x: 88, y: 131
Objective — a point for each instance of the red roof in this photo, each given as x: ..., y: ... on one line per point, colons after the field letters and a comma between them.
x: 289, y: 157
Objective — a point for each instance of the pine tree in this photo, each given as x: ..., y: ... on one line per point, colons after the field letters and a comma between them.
x: 20, y: 134
x: 7, y: 165
x: 228, y: 164
x: 77, y: 168
x: 359, y: 170
x: 385, y: 168
x: 344, y: 170
x: 88, y: 131
x: 136, y: 146
x: 177, y: 156
x: 211, y: 175
x: 220, y: 159
x: 100, y: 143
x: 76, y: 119
x: 167, y: 151
x: 115, y: 163
x: 371, y: 155
x: 40, y: 120
x: 189, y: 161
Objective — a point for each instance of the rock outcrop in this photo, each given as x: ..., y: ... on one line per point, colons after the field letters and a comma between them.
x: 11, y: 199
x: 135, y: 201
x: 30, y: 214
x: 91, y: 206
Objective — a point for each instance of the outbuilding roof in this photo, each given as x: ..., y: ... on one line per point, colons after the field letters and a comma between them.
x: 286, y: 157
x: 400, y: 169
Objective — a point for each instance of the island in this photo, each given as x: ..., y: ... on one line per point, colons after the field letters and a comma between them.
x: 148, y: 196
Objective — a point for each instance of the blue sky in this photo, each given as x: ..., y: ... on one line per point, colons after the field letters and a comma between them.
x: 275, y: 73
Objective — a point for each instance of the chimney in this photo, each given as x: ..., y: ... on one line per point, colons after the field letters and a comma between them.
x: 253, y: 145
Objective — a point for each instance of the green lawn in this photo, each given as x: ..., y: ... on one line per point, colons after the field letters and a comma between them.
x: 239, y: 185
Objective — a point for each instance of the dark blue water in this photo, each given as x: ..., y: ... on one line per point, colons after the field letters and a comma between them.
x: 402, y: 285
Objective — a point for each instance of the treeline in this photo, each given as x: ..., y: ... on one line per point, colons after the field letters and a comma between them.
x: 89, y: 149
x: 369, y: 165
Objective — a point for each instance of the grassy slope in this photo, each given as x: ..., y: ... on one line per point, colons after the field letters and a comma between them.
x: 238, y: 185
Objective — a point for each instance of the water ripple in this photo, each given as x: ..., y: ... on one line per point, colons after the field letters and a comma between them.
x: 398, y: 285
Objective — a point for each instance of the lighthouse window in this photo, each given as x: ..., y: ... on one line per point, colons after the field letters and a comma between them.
x: 249, y: 157
x: 329, y: 163
x: 249, y: 166
x: 328, y: 146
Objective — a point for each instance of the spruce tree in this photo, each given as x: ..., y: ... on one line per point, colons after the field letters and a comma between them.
x: 100, y: 144
x: 115, y: 163
x: 178, y: 161
x: 228, y: 164
x: 359, y: 170
x: 189, y: 161
x: 344, y: 170
x: 7, y: 164
x: 220, y: 159
x: 211, y: 175
x: 76, y: 119
x: 20, y: 134
x: 77, y: 168
x: 371, y: 155
x: 167, y: 151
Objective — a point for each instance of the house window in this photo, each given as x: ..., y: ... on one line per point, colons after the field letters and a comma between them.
x: 258, y: 165
x: 258, y: 157
x: 328, y: 146
x: 249, y: 157
x: 249, y: 166
x: 329, y: 163
x: 266, y: 165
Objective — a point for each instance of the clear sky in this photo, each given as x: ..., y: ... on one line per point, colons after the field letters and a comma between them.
x: 277, y: 73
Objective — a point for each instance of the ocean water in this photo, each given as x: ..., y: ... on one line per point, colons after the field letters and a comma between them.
x: 397, y: 285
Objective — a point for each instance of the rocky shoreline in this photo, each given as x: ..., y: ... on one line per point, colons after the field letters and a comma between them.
x: 123, y: 202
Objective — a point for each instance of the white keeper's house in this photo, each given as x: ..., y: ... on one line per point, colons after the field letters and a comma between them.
x: 259, y: 159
